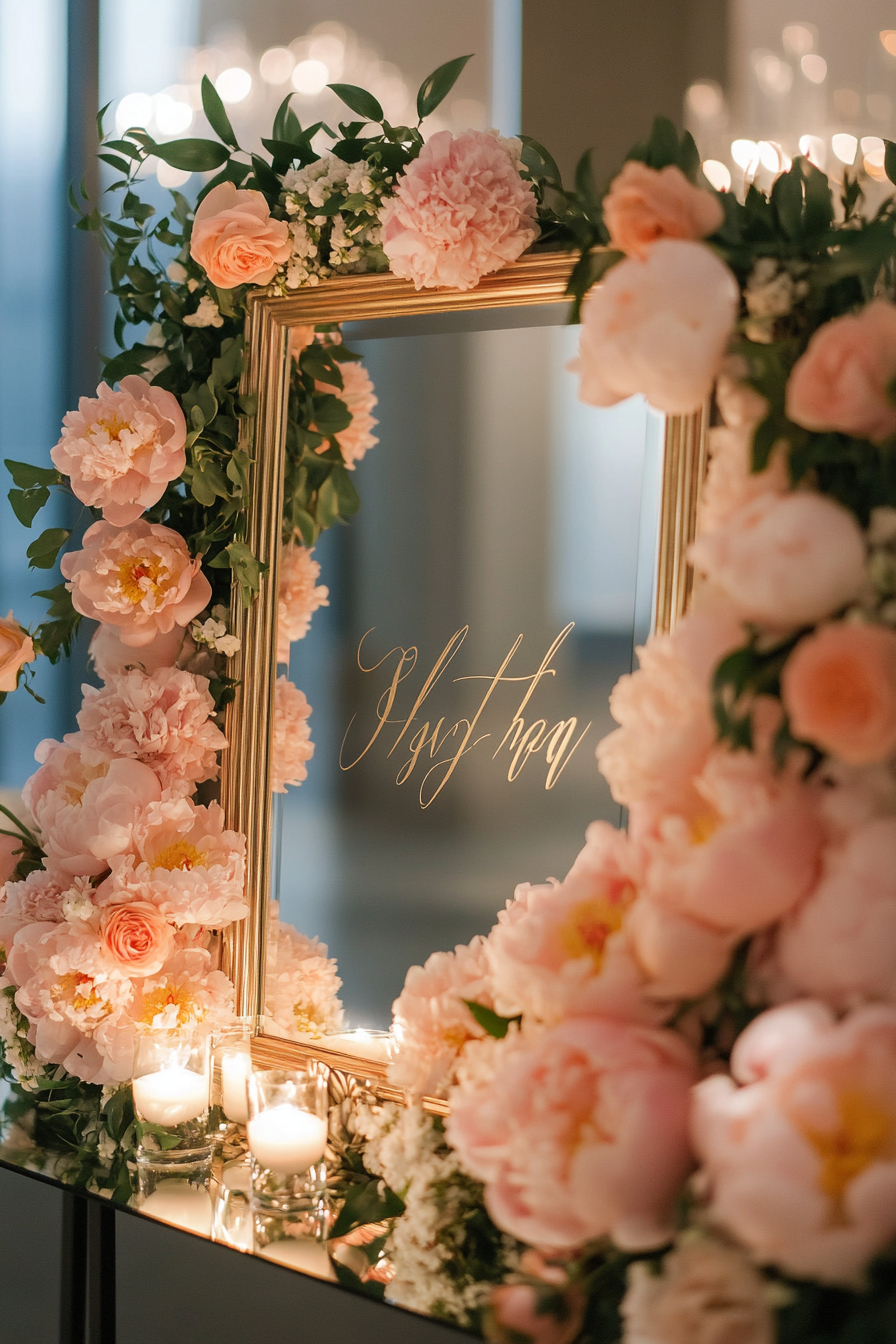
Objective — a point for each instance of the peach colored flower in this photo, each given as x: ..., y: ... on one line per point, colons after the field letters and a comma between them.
x: 659, y: 327
x: 842, y: 381
x: 292, y: 745
x: 10, y: 847
x: 121, y: 449
x: 707, y: 1293
x: 839, y: 689
x: 645, y: 204
x: 162, y: 719
x: 137, y: 937
x: 140, y: 578
x: 581, y: 1134
x: 357, y: 393
x: 297, y: 598
x: 235, y: 240
x: 40, y: 896
x: 742, y: 407
x: 299, y: 339
x: 681, y: 957
x: 301, y: 983
x: 523, y: 1313
x: 731, y: 481
x: 460, y: 211
x: 785, y: 560
x: 16, y: 649
x: 110, y: 657
x: 801, y: 1159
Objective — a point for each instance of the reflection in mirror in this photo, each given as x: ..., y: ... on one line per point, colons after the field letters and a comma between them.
x: 482, y: 604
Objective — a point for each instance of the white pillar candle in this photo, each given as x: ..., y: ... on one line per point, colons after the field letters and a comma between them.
x: 235, y: 1070
x: 171, y: 1096
x: 287, y: 1140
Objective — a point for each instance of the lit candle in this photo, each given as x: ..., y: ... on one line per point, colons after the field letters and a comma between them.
x: 287, y: 1140
x: 183, y: 1205
x: 235, y: 1070
x: 372, y: 1045
x: 171, y: 1096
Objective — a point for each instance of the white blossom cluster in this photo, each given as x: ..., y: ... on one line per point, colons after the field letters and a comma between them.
x: 771, y: 292
x: 17, y: 1050
x: 342, y: 243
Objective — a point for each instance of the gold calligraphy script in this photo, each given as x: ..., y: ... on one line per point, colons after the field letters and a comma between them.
x: 444, y: 747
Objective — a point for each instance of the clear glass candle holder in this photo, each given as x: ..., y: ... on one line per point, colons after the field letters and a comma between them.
x: 287, y: 1133
x: 231, y: 1067
x: 171, y: 1101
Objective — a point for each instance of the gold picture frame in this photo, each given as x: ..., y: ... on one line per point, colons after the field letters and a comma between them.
x: 246, y: 795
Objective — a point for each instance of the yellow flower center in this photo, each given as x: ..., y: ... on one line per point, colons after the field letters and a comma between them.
x: 456, y: 1037
x: 79, y: 990
x: 168, y: 996
x: 306, y: 1022
x: 704, y: 827
x: 590, y: 924
x: 113, y: 425
x: 863, y: 1134
x: 180, y: 854
x: 133, y: 574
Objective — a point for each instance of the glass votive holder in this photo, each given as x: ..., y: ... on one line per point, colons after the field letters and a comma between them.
x: 231, y: 1067
x: 233, y: 1207
x: 171, y: 1101
x: 287, y: 1133
x: 362, y: 1042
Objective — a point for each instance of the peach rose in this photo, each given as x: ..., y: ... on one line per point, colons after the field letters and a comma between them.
x: 658, y: 326
x: 801, y: 1159
x: 137, y: 937
x: 297, y: 596
x: 16, y: 649
x: 292, y: 745
x: 785, y: 560
x: 839, y: 689
x: 121, y: 449
x: 140, y: 578
x: 842, y: 381
x: 645, y: 204
x: 111, y: 657
x: 235, y: 240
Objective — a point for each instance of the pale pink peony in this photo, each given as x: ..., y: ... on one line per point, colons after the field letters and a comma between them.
x: 136, y: 937
x: 431, y: 1022
x: 140, y: 578
x: 681, y: 957
x: 16, y: 649
x: 300, y: 984
x: 645, y: 204
x: 292, y: 745
x: 801, y: 1159
x: 580, y: 1135
x: 121, y: 449
x: 521, y: 1313
x: 358, y: 395
x: 842, y: 382
x: 707, y: 1293
x: 235, y: 240
x: 460, y: 211
x: 162, y: 719
x: 731, y: 481
x: 298, y: 598
x: 839, y: 689
x: 785, y: 560
x: 659, y: 327
x: 40, y: 896
x: 110, y: 657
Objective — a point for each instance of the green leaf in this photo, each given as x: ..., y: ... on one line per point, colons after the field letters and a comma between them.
x: 347, y: 1278
x: 890, y: 160
x: 133, y: 208
x: 120, y: 165
x: 539, y: 162
x: 438, y: 85
x: 372, y: 1202
x: 689, y: 157
x: 359, y: 100
x: 42, y: 553
x: 327, y: 503
x: 349, y: 499
x: 214, y: 111
x: 54, y: 636
x: 331, y: 416
x: 489, y: 1020
x: 787, y: 200
x: 286, y: 124
x: 192, y: 156
x: 26, y: 475
x: 26, y: 503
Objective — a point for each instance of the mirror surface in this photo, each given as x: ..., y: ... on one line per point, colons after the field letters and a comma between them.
x: 482, y: 604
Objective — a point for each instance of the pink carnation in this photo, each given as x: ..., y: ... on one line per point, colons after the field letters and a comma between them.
x: 582, y: 1134
x: 801, y: 1159
x: 292, y: 745
x: 140, y: 578
x: 162, y: 719
x: 843, y: 380
x: 111, y: 657
x: 298, y: 598
x: 301, y: 983
x: 358, y: 395
x: 121, y: 449
x: 460, y: 211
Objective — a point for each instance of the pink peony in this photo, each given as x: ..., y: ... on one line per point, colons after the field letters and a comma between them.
x: 523, y: 1313
x: 842, y: 382
x: 136, y: 937
x: 40, y: 895
x: 298, y: 598
x: 707, y: 1293
x: 235, y: 240
x: 292, y: 745
x: 110, y: 657
x: 121, y: 449
x: 162, y: 719
x: 839, y: 689
x: 300, y: 984
x: 682, y: 957
x: 460, y: 211
x: 140, y: 578
x: 659, y: 327
x: 801, y: 1159
x: 645, y: 204
x: 581, y: 1134
x: 731, y: 481
x: 16, y: 649
x: 358, y: 395
x: 786, y: 560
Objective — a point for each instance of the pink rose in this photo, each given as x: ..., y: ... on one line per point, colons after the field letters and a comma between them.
x: 137, y: 937
x: 16, y: 649
x: 121, y: 449
x: 659, y: 327
x: 707, y: 1293
x: 580, y: 1134
x: 140, y: 578
x: 644, y: 204
x: 235, y: 240
x: 292, y: 745
x: 839, y: 689
x: 842, y: 381
x: 111, y: 657
x: 460, y: 211
x: 525, y: 1313
x: 786, y: 560
x: 297, y: 597
x: 801, y: 1159
x: 357, y: 393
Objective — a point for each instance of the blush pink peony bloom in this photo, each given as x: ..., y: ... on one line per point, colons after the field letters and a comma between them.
x: 301, y: 984
x: 582, y: 1134
x: 659, y: 327
x: 358, y: 395
x: 842, y: 381
x: 292, y: 745
x: 121, y: 449
x: 140, y: 578
x: 645, y: 204
x: 297, y: 597
x: 801, y: 1159
x: 110, y: 657
x: 235, y: 240
x: 786, y: 560
x: 162, y: 719
x: 16, y: 649
x: 459, y: 212
x: 681, y: 957
x: 523, y: 1313
x: 707, y: 1293
x: 839, y: 689
x: 40, y: 896
x: 136, y: 937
